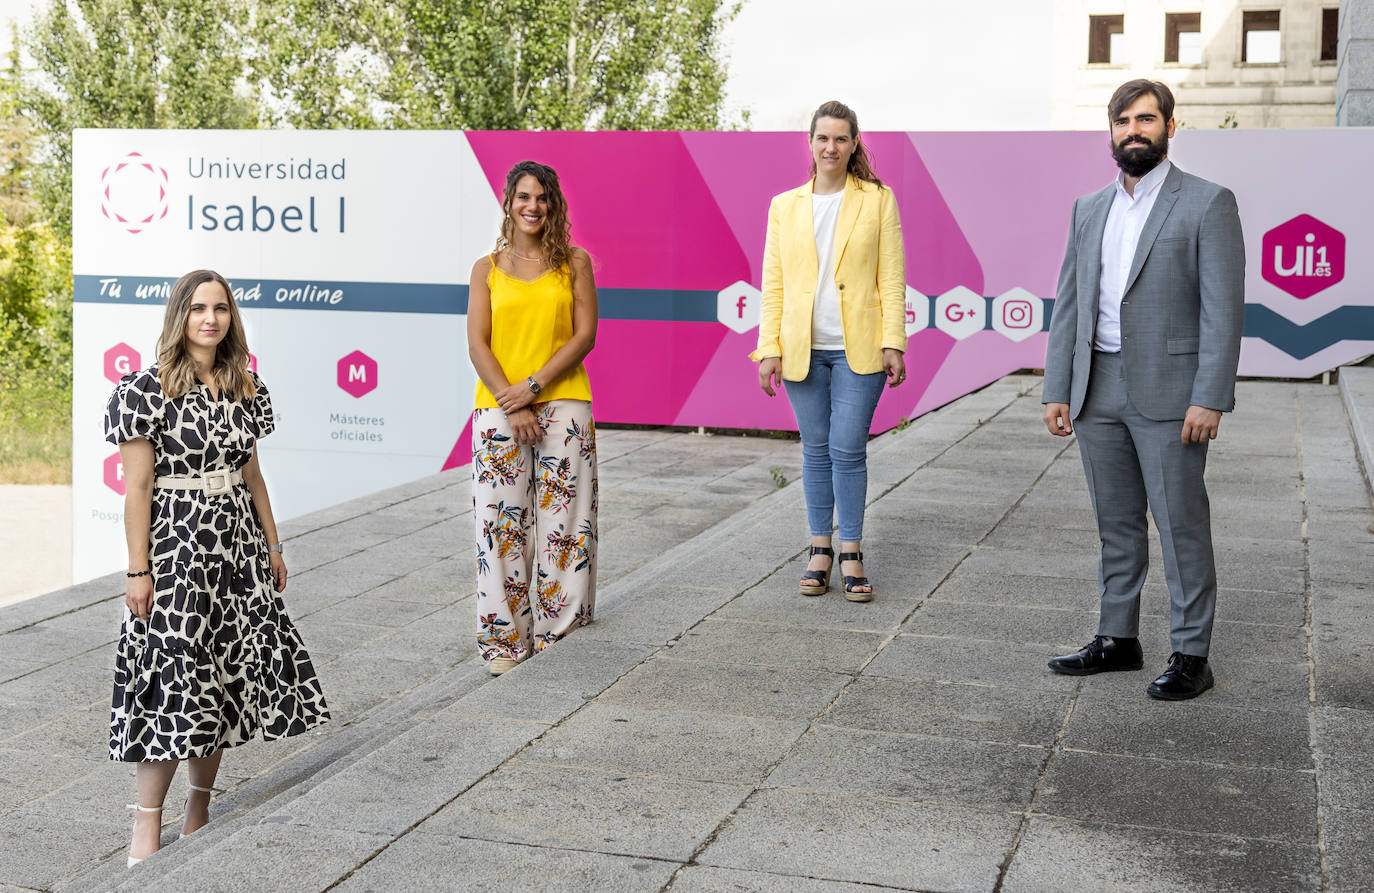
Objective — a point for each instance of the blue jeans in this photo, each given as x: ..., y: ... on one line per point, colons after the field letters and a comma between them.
x: 834, y: 409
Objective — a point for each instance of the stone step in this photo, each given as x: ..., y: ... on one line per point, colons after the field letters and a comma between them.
x: 381, y: 589
x: 466, y: 724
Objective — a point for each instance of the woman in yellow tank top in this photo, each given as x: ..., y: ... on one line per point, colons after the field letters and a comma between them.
x: 531, y: 321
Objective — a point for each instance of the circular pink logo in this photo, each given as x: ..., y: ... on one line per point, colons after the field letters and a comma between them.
x: 133, y: 192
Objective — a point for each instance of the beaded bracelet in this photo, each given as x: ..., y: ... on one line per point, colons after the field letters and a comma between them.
x: 139, y: 574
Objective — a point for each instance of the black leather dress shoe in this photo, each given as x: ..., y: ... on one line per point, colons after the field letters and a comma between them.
x: 1186, y: 677
x: 1102, y: 655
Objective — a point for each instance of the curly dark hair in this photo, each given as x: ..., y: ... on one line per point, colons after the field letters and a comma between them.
x: 859, y: 163
x: 555, y: 239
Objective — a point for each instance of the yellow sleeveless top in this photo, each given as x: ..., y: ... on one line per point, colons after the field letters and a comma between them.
x: 530, y: 321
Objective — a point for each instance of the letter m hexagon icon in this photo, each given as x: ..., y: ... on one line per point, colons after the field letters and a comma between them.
x: 358, y: 373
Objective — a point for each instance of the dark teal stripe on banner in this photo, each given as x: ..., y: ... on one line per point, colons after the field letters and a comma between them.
x: 1301, y: 342
x: 662, y: 304
x: 676, y: 305
x: 285, y: 294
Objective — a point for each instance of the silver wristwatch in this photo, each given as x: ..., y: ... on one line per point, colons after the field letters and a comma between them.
x: 276, y: 548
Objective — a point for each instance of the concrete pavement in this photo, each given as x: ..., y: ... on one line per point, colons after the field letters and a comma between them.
x: 36, y: 522
x: 714, y: 730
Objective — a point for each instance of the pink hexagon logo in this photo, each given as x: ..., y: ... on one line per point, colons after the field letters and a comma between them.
x: 133, y: 192
x: 1303, y: 256
x: 120, y: 360
x: 358, y: 373
x: 114, y: 474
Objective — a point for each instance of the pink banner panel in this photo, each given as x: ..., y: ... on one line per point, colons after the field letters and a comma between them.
x: 676, y: 223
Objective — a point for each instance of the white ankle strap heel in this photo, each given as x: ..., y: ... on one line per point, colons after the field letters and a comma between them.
x: 135, y: 806
x: 194, y: 787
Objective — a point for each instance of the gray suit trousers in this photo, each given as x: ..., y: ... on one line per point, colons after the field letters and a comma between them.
x: 1133, y: 462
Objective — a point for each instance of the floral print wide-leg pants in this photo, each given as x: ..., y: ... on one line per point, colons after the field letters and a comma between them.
x: 535, y: 508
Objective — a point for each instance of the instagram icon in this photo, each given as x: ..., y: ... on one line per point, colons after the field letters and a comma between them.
x: 1018, y: 314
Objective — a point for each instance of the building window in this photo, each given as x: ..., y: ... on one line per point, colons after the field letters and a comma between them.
x: 1259, y: 35
x: 1330, y: 21
x: 1183, y: 38
x: 1107, y: 39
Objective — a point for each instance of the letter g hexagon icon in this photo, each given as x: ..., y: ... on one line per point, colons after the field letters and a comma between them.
x: 120, y: 360
x: 358, y: 373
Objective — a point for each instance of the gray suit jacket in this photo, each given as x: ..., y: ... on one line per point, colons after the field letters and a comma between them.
x: 1182, y: 311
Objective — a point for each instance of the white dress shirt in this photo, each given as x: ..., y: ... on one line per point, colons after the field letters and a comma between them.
x: 1125, y: 220
x: 827, y: 327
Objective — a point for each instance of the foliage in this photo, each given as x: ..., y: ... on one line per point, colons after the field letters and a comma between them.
x: 779, y: 476
x: 310, y: 65
x: 35, y: 314
x: 233, y: 64
x: 132, y: 63
x: 497, y: 64
x: 16, y: 145
x: 464, y: 64
x: 35, y: 354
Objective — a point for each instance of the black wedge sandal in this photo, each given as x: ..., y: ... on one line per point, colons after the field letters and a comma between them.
x: 850, y: 582
x: 820, y: 580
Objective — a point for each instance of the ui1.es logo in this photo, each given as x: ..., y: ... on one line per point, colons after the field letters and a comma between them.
x: 1303, y: 256
x: 133, y: 192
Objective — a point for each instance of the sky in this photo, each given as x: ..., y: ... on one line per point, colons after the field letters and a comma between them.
x: 10, y: 11
x: 900, y: 64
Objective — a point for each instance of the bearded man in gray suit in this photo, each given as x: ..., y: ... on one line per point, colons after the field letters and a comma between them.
x: 1143, y: 348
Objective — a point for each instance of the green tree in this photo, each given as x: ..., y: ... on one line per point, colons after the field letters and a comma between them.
x: 496, y: 64
x: 233, y: 64
x: 16, y: 144
x: 33, y: 263
x: 35, y: 313
x: 310, y: 65
x: 137, y: 64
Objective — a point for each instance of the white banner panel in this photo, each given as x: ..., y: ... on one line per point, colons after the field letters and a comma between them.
x: 349, y: 258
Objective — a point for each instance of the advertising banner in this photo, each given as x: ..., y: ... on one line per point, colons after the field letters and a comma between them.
x: 350, y: 253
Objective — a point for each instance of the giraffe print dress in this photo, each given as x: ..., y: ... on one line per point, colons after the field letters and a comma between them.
x: 218, y: 661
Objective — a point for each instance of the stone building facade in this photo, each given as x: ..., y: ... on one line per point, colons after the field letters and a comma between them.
x: 1251, y: 63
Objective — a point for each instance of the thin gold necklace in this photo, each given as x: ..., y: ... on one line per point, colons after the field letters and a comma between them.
x: 538, y: 260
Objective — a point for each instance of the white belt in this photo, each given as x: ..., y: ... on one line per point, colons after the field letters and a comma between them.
x: 212, y: 482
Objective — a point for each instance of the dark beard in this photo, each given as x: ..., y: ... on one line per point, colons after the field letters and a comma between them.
x: 1137, y: 162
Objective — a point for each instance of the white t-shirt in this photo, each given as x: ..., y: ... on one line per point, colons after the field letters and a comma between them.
x: 827, y: 328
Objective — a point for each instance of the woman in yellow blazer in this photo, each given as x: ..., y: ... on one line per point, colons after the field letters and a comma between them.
x: 833, y: 327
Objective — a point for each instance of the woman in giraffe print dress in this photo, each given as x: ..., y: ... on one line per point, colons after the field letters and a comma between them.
x: 207, y: 656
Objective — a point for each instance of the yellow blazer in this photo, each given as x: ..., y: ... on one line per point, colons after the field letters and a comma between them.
x: 870, y: 276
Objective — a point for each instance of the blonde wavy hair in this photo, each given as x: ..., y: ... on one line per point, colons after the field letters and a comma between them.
x: 557, y: 231
x: 176, y: 371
